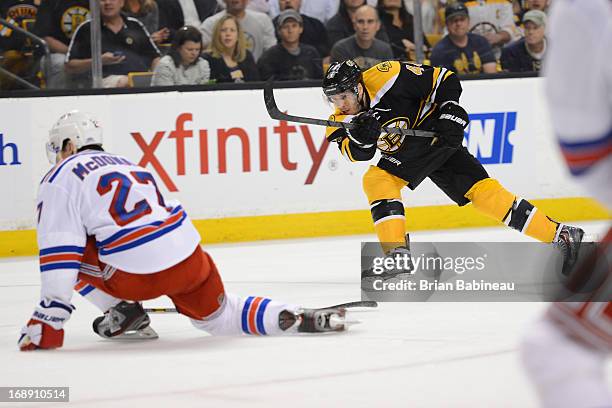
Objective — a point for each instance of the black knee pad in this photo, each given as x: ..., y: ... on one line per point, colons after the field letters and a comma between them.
x: 518, y: 214
x: 384, y: 208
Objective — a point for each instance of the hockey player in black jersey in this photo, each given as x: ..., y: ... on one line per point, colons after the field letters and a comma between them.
x: 413, y: 96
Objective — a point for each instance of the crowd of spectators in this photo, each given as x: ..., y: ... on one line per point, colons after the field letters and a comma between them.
x: 178, y: 42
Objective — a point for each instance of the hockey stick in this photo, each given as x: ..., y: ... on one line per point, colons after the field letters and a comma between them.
x: 358, y: 303
x: 348, y: 305
x: 275, y: 113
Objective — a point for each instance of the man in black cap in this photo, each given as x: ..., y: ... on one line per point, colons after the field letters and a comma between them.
x: 461, y: 51
x: 314, y: 34
x: 290, y: 59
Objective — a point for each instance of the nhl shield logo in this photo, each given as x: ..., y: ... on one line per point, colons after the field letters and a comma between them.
x: 391, y: 142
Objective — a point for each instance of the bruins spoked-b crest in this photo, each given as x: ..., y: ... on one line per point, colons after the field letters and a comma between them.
x: 72, y: 18
x: 390, y: 142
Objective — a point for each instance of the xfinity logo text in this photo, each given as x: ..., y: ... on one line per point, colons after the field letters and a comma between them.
x: 194, y: 144
x: 487, y: 136
x: 5, y: 150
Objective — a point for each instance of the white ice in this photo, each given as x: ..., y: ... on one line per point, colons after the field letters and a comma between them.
x: 402, y: 354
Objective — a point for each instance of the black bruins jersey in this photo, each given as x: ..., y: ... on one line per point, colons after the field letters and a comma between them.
x: 403, y: 95
x: 60, y: 18
x: 19, y: 10
x: 16, y: 12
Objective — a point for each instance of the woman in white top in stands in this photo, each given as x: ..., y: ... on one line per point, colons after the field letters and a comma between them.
x: 183, y: 64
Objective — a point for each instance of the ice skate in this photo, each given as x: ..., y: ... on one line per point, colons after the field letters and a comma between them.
x: 568, y: 240
x: 314, y: 320
x: 403, y: 269
x: 124, y: 321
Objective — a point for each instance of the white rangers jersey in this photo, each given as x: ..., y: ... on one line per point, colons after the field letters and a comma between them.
x: 105, y: 196
x: 580, y: 103
x: 580, y: 99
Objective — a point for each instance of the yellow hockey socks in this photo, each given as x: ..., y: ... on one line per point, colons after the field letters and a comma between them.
x: 383, y: 192
x: 491, y: 198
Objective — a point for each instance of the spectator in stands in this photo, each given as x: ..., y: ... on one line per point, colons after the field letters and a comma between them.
x: 527, y: 5
x: 144, y: 10
x: 341, y: 26
x: 527, y: 53
x: 148, y: 13
x: 399, y: 25
x: 229, y: 58
x: 262, y: 6
x: 56, y: 23
x: 314, y: 33
x: 16, y: 12
x: 493, y: 19
x: 541, y: 5
x: 174, y: 14
x: 362, y: 47
x: 183, y: 64
x: 430, y: 15
x: 13, y: 44
x: 256, y: 26
x: 322, y: 10
x: 126, y: 47
x: 290, y: 60
x: 460, y: 51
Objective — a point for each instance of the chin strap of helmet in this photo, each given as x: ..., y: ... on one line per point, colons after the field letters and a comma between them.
x: 91, y: 147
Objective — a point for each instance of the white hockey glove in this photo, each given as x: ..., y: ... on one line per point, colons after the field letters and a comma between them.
x: 45, y: 328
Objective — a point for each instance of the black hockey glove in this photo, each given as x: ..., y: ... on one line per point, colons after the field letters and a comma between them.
x: 367, y: 129
x: 449, y: 127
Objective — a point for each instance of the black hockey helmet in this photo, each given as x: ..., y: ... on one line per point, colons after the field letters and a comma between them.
x: 340, y: 77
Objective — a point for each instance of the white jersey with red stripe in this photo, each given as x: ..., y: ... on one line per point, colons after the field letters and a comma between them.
x: 580, y: 102
x: 590, y: 322
x: 105, y: 196
x: 579, y: 89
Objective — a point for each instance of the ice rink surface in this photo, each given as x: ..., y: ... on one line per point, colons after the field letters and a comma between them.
x: 402, y: 354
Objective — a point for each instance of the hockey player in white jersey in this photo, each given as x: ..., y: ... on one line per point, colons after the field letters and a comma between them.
x: 102, y: 220
x: 565, y: 352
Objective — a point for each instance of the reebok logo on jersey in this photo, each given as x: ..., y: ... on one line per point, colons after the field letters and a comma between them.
x: 453, y: 118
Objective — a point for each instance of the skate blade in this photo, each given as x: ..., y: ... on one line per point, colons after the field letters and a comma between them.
x: 341, y: 323
x: 143, y: 334
x: 349, y: 323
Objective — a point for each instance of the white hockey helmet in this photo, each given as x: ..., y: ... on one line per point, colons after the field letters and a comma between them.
x: 80, y: 127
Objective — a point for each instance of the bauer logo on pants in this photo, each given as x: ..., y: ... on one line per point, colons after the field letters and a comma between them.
x: 488, y: 136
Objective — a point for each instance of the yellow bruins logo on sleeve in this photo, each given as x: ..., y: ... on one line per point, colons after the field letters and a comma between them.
x: 391, y: 142
x: 415, y: 69
x: 384, y: 66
